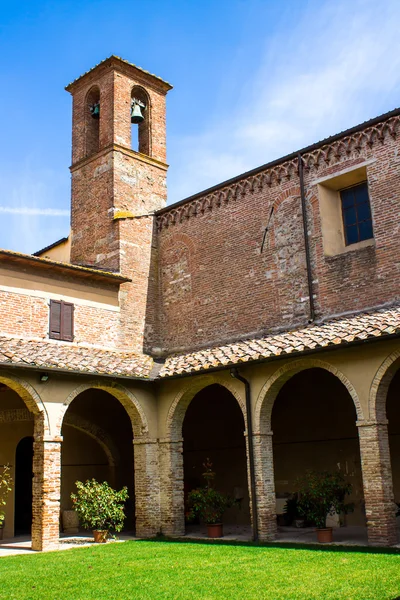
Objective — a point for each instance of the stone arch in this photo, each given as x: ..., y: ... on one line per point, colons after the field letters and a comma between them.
x: 177, y: 410
x: 31, y: 399
x: 96, y: 433
x: 380, y: 386
x: 271, y: 388
x: 123, y: 395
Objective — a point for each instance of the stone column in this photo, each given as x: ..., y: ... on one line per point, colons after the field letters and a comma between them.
x: 46, y: 493
x: 147, y: 487
x: 172, y: 490
x: 265, y: 486
x: 377, y: 481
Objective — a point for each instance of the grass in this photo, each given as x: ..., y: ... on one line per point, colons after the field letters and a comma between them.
x: 173, y: 570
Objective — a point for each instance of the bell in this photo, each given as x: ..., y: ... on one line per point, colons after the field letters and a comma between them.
x: 136, y: 113
x: 95, y: 110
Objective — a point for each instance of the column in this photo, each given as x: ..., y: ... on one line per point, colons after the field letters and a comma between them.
x: 172, y: 490
x: 265, y: 486
x: 147, y: 487
x: 46, y: 493
x: 377, y: 481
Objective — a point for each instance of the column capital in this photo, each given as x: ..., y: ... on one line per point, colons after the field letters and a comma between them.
x: 140, y: 441
x: 170, y: 441
x: 48, y: 439
x: 264, y: 434
x: 366, y: 423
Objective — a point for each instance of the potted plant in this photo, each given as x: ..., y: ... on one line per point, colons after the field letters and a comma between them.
x: 291, y: 513
x: 321, y: 494
x: 99, y: 507
x: 208, y: 504
x: 6, y: 484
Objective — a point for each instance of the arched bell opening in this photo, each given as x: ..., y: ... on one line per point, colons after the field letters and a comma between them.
x: 16, y: 450
x: 393, y: 416
x: 92, y: 121
x: 140, y: 114
x: 213, y: 428
x: 314, y: 428
x: 97, y: 443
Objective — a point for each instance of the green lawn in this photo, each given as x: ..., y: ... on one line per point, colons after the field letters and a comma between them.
x: 157, y: 570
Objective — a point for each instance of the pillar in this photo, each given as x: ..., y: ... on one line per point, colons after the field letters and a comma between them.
x: 147, y: 487
x: 46, y: 493
x: 172, y: 487
x: 265, y: 486
x: 377, y: 481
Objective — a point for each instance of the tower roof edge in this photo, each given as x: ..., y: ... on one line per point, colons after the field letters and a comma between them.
x: 117, y: 61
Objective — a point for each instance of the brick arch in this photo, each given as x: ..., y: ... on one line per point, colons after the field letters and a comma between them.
x: 177, y: 410
x: 273, y: 385
x: 380, y: 386
x: 125, y: 397
x: 31, y: 399
x: 96, y: 433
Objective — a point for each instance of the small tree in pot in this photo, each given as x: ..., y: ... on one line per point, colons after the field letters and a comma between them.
x: 99, y: 507
x: 208, y: 504
x: 321, y: 494
x: 6, y: 484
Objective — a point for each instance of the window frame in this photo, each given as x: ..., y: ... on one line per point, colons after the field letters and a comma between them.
x: 358, y: 221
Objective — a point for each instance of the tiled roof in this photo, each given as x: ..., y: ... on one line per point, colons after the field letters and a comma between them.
x: 45, y: 354
x: 72, y: 357
x: 122, y: 60
x: 339, y: 331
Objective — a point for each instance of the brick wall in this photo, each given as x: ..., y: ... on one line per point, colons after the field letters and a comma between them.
x: 28, y: 316
x: 216, y: 284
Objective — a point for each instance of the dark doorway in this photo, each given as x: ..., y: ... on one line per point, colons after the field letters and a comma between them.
x: 23, y: 486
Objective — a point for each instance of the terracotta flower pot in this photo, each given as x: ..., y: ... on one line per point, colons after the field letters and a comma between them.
x: 100, y: 536
x: 324, y: 536
x: 215, y: 530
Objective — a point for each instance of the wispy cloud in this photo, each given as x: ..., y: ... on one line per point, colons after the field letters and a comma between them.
x: 338, y: 66
x: 26, y: 210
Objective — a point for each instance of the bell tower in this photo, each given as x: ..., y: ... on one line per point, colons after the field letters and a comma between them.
x: 119, y: 179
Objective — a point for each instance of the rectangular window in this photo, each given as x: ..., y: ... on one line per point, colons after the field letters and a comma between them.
x: 356, y: 213
x: 61, y: 321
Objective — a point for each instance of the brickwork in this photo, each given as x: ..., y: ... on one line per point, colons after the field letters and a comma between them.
x: 115, y: 192
x: 171, y: 487
x: 212, y: 270
x: 28, y: 316
x: 265, y: 486
x: 377, y: 481
x: 46, y: 493
x: 147, y: 487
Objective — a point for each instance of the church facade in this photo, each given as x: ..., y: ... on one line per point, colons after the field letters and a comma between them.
x: 255, y: 324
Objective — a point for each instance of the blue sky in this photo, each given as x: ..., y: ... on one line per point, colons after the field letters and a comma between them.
x: 253, y: 80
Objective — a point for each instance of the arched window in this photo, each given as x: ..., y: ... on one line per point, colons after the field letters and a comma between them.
x: 92, y: 120
x: 140, y: 121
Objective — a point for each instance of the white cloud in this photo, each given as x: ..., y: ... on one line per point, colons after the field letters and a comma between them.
x: 27, y: 210
x: 339, y: 66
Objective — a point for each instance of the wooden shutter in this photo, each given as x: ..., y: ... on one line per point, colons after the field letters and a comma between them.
x: 67, y: 321
x: 55, y: 320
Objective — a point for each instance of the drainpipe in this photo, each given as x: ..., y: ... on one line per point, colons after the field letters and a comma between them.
x: 235, y: 374
x: 307, y: 247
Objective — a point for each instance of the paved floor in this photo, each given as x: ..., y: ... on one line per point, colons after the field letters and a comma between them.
x: 22, y: 544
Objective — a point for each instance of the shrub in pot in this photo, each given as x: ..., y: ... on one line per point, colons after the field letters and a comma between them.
x: 208, y: 504
x: 6, y: 484
x: 321, y: 494
x: 99, y: 507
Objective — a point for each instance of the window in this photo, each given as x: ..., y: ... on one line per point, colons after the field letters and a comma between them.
x: 345, y: 211
x: 61, y: 322
x: 356, y: 213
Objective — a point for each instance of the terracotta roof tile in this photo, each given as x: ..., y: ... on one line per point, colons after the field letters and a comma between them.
x: 45, y: 354
x: 49, y: 354
x: 339, y: 331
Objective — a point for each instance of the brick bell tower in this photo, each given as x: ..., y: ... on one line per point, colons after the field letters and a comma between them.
x: 118, y: 180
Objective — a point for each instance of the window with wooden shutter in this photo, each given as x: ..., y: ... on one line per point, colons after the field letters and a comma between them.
x: 61, y: 320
